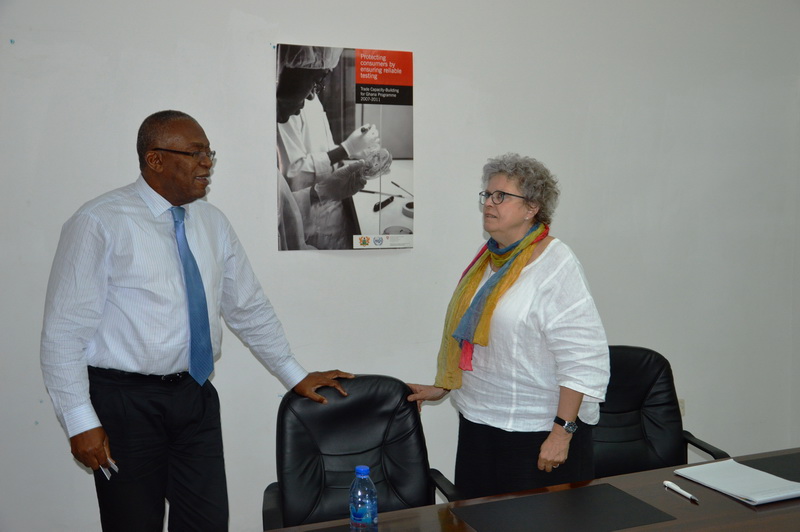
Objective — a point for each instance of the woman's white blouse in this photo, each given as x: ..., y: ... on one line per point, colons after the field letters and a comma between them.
x: 545, y: 333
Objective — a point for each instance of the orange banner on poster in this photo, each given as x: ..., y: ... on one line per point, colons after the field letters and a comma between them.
x: 384, y: 67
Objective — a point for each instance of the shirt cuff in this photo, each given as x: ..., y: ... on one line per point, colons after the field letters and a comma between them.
x: 80, y: 419
x: 292, y: 374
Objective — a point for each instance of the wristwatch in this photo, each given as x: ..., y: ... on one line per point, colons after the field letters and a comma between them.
x: 570, y: 426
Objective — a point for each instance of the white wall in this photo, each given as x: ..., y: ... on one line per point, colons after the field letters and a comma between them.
x: 673, y: 126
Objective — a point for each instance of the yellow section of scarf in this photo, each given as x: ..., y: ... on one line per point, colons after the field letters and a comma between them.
x: 448, y: 373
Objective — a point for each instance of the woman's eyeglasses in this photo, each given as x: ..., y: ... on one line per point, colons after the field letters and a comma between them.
x: 497, y: 196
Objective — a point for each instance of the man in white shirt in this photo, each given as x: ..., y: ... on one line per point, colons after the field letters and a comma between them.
x: 115, y: 340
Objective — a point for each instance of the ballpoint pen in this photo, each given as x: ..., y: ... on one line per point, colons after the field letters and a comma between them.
x: 677, y: 489
x: 112, y: 465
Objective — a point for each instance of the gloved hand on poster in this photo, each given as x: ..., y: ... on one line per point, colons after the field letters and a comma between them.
x: 342, y: 183
x: 361, y: 142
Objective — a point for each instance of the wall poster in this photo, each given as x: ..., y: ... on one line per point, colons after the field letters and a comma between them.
x: 344, y: 115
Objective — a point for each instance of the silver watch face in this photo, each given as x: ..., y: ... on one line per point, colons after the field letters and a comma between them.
x: 571, y: 427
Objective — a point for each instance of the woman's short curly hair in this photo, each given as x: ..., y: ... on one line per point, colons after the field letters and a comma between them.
x: 537, y: 184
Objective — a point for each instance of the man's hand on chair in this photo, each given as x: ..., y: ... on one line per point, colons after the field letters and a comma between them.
x: 317, y: 379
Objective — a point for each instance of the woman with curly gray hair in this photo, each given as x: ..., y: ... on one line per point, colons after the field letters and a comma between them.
x: 523, y: 348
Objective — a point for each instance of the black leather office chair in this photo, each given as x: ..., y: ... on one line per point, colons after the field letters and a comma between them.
x: 640, y: 424
x: 318, y: 447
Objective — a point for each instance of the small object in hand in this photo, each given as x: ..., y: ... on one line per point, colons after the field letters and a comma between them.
x: 105, y: 470
x: 378, y: 163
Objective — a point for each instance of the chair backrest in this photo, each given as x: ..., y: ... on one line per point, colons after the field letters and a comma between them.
x: 318, y: 447
x: 640, y: 424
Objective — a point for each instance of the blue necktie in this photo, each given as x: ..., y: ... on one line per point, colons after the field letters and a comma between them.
x: 201, y: 361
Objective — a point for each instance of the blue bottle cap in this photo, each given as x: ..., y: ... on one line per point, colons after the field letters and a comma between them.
x: 362, y: 471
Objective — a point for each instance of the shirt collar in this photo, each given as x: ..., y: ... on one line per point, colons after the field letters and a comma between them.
x: 154, y: 201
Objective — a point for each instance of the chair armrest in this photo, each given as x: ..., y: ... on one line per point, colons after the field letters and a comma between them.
x: 445, y: 486
x: 703, y: 446
x: 271, y: 512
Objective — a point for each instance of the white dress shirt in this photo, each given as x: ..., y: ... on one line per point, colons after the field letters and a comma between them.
x: 545, y: 333
x: 116, y: 297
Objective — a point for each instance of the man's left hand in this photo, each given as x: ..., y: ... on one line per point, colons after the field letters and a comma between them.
x: 317, y: 379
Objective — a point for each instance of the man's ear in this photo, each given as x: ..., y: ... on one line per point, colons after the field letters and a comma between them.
x: 153, y: 161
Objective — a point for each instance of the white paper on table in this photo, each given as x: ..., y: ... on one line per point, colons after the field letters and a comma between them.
x: 742, y: 482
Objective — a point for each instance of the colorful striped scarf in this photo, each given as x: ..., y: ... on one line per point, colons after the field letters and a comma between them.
x: 467, y: 319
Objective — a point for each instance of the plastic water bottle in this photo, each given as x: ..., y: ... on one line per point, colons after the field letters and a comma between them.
x: 363, y: 501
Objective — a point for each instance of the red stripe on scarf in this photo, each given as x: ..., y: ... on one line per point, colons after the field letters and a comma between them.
x: 465, y: 363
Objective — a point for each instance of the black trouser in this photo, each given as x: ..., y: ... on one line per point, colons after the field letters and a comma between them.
x: 166, y: 439
x: 490, y: 461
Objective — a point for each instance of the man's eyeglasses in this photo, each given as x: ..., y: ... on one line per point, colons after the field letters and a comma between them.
x: 497, y: 196
x: 196, y: 154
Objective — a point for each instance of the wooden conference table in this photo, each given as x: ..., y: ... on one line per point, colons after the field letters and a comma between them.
x: 715, y: 511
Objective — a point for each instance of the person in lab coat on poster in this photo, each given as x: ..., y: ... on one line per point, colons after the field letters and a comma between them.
x: 307, y: 153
